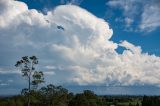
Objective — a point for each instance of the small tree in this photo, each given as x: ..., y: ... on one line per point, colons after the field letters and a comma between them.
x: 34, y: 78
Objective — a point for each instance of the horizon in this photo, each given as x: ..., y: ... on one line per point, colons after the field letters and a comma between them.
x: 106, y: 90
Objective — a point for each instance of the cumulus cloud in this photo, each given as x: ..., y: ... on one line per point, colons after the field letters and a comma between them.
x: 81, y: 54
x: 6, y: 15
x: 145, y: 11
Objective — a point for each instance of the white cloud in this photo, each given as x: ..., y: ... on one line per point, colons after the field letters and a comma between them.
x: 6, y: 15
x: 131, y: 47
x: 10, y: 81
x: 8, y: 71
x: 128, y: 21
x: 50, y: 67
x: 3, y: 84
x: 75, y: 2
x: 129, y: 11
x: 147, y: 12
x: 82, y: 53
x: 150, y: 17
x: 49, y: 73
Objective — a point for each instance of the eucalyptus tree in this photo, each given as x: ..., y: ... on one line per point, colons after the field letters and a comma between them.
x: 34, y: 78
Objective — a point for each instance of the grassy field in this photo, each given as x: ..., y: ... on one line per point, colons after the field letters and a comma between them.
x: 123, y: 100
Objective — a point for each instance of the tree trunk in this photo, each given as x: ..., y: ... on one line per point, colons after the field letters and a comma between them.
x: 29, y: 88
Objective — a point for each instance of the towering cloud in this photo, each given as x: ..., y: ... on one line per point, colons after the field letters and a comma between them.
x: 74, y: 44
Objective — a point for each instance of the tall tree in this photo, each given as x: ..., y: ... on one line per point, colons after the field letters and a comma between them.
x: 27, y: 67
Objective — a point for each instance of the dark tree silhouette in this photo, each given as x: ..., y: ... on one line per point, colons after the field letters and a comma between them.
x: 27, y: 67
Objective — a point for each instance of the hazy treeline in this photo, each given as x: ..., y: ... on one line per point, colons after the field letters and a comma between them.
x: 51, y: 95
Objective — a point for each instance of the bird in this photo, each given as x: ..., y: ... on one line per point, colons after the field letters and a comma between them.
x: 60, y: 27
x: 47, y: 21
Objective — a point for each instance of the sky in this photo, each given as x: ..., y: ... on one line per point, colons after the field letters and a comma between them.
x: 102, y: 45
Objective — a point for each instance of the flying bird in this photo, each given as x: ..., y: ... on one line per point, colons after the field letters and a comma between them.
x: 60, y: 27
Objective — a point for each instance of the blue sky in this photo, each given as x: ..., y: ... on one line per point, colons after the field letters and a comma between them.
x: 83, y: 43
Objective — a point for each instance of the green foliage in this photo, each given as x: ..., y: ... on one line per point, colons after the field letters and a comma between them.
x: 137, y: 104
x: 87, y: 98
x: 37, y: 78
x: 151, y: 101
x: 79, y: 100
x: 52, y: 95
